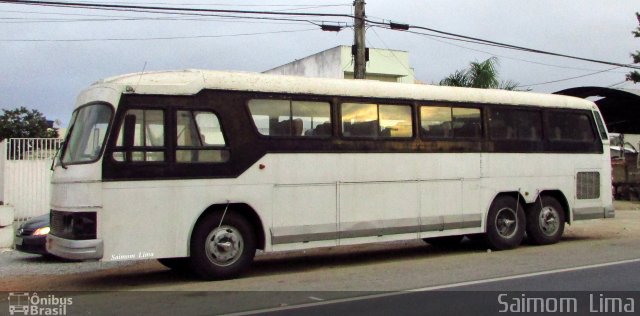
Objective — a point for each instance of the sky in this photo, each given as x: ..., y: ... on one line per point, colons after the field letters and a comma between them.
x: 49, y: 54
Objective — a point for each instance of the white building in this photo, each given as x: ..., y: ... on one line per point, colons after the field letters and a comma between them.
x: 337, y: 62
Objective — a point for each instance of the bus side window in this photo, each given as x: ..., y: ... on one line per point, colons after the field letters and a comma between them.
x: 569, y: 126
x: 450, y: 122
x: 311, y: 118
x: 199, y: 138
x: 515, y: 124
x: 141, y: 137
x: 376, y: 120
x: 291, y: 118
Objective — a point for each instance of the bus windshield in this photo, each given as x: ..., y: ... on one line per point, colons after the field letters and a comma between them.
x: 87, y: 133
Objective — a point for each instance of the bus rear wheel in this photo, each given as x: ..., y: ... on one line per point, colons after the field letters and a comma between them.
x: 545, y: 221
x: 222, y: 248
x: 505, y: 223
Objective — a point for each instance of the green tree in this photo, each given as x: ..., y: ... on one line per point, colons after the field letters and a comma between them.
x: 24, y: 123
x: 483, y: 75
x: 635, y: 75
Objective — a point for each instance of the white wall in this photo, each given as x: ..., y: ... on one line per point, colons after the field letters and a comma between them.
x: 3, y: 154
x: 325, y: 64
x: 337, y: 62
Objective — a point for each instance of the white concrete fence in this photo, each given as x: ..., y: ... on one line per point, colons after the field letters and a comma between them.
x: 25, y: 178
x: 25, y: 174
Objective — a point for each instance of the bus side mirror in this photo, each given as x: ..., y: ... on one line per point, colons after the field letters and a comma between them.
x: 129, y: 132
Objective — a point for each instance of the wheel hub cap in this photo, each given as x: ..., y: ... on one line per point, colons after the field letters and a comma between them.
x: 224, y: 245
x: 506, y: 222
x: 549, y: 221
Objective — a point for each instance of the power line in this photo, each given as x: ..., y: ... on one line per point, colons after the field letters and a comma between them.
x: 175, y: 10
x: 433, y: 38
x: 98, y: 6
x: 392, y: 52
x: 155, y: 38
x: 185, y: 11
x: 566, y: 79
x: 229, y: 4
x: 112, y: 18
x: 617, y: 84
x: 509, y: 46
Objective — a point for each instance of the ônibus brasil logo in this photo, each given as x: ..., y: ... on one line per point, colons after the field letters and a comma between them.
x: 25, y: 303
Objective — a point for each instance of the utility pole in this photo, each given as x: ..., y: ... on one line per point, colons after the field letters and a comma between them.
x: 360, y: 63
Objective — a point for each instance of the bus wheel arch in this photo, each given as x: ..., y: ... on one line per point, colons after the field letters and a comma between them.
x: 562, y: 199
x: 224, y: 240
x: 546, y: 218
x: 242, y: 209
x: 506, y: 221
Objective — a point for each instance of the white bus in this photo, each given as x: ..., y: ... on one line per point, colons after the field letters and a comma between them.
x: 200, y: 169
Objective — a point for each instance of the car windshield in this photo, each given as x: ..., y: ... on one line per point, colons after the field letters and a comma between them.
x: 87, y: 133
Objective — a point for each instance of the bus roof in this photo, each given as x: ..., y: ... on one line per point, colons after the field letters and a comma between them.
x: 189, y: 82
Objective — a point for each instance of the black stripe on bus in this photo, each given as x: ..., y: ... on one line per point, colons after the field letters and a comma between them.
x: 246, y: 146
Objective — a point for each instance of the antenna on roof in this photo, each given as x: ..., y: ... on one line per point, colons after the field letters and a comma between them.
x: 140, y: 78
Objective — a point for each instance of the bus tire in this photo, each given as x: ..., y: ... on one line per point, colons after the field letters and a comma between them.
x: 222, y: 248
x: 545, y: 222
x: 505, y: 223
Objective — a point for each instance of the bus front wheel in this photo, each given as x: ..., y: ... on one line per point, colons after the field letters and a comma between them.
x: 545, y: 221
x: 505, y: 223
x: 222, y: 247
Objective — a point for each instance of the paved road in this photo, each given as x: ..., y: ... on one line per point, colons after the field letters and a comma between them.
x: 591, y: 287
x: 330, y: 274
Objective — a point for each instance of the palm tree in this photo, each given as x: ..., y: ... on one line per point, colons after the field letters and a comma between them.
x: 483, y: 75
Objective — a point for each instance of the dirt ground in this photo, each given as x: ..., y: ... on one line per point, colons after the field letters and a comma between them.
x: 23, y: 272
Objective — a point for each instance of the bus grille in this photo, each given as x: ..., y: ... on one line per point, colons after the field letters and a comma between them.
x: 57, y: 222
x: 588, y: 185
x: 73, y: 225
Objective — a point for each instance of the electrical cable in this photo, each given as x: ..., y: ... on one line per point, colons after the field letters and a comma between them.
x: 175, y: 10
x: 156, y: 38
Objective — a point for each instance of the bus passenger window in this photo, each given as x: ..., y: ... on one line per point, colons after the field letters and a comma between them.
x: 291, y: 118
x: 199, y: 138
x: 312, y: 118
x: 435, y: 121
x: 395, y: 121
x: 147, y: 137
x: 466, y: 123
x: 359, y: 119
x: 569, y: 126
x: 450, y: 122
x: 376, y: 120
x: 515, y: 124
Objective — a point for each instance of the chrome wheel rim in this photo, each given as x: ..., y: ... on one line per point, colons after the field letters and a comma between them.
x: 224, y: 245
x: 506, y: 222
x: 549, y: 221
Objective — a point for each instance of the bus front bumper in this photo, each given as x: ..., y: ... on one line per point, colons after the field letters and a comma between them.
x: 74, y: 249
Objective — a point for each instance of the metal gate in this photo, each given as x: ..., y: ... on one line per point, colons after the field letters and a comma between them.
x: 25, y: 174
